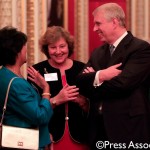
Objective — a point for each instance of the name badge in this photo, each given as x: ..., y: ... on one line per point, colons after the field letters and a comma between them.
x: 51, y: 77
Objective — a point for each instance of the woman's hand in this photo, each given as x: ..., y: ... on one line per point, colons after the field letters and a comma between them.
x: 38, y: 79
x: 67, y: 93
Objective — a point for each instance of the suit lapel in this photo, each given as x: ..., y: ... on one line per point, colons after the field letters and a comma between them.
x: 106, y: 56
x: 120, y: 51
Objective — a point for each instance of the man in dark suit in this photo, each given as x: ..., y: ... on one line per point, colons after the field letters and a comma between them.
x: 119, y: 110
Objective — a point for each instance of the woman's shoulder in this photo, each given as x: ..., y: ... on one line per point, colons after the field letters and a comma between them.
x: 19, y: 83
x: 78, y: 63
x: 41, y: 64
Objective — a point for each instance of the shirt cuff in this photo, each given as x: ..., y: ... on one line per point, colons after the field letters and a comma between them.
x: 96, y: 82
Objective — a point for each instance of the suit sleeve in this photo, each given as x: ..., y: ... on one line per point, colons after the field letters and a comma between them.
x: 135, y: 70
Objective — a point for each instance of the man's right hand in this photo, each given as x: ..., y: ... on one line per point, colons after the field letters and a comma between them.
x: 109, y: 73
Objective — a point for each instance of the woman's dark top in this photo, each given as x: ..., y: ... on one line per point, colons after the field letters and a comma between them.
x: 77, y: 118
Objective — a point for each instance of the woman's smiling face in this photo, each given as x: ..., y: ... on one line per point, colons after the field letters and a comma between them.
x: 58, y: 51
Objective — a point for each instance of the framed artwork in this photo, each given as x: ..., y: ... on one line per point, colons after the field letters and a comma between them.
x: 55, y: 12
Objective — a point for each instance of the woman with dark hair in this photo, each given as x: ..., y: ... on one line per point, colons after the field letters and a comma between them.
x: 68, y: 124
x: 25, y: 107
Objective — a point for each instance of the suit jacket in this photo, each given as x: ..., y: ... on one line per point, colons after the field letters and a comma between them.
x: 124, y: 97
x: 77, y: 118
x: 25, y: 108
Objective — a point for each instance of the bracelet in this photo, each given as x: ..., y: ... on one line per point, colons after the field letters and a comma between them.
x: 46, y: 94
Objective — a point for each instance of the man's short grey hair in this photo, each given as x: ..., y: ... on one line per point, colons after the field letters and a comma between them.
x: 111, y: 11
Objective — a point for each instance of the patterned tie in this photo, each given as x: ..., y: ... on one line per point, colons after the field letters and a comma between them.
x: 111, y: 48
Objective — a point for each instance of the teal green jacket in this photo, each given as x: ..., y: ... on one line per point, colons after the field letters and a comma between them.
x: 25, y: 108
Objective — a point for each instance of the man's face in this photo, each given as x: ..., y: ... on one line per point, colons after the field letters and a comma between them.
x: 103, y: 27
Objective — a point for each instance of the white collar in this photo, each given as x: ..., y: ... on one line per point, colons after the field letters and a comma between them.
x: 120, y: 38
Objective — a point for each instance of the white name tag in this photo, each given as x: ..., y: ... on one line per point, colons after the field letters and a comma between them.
x: 51, y: 77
